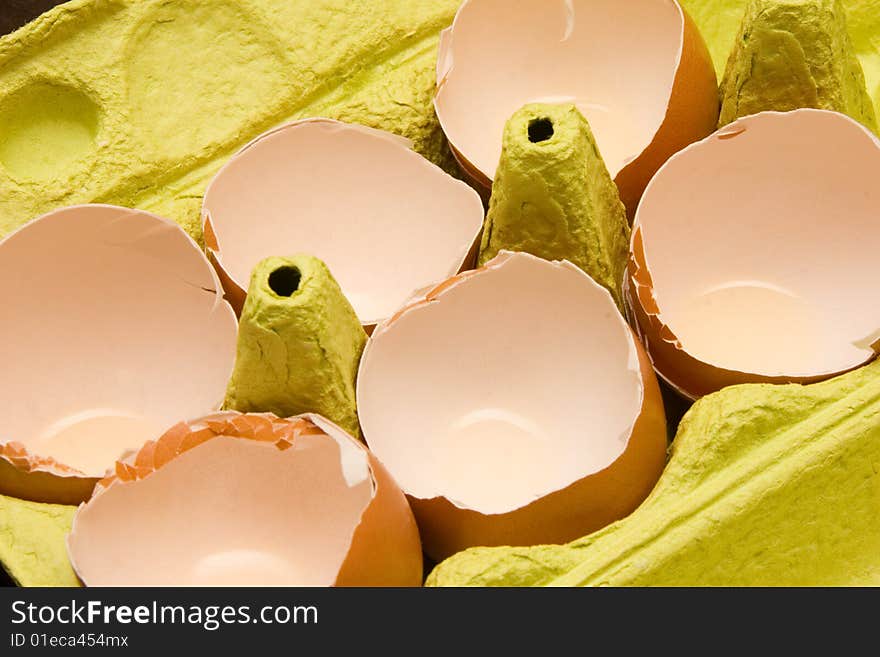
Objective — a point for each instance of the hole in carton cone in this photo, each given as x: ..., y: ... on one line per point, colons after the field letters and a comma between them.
x: 540, y: 130
x: 284, y: 281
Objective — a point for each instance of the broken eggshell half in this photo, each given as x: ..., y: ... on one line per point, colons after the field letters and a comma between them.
x: 754, y: 254
x: 113, y: 327
x: 637, y: 70
x: 514, y: 406
x: 385, y: 220
x: 248, y: 500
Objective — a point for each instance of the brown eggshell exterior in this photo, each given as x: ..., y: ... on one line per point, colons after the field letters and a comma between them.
x: 387, y: 539
x: 476, y: 178
x: 236, y: 295
x: 233, y: 293
x: 385, y: 547
x: 691, y: 115
x: 38, y: 479
x: 30, y: 476
x: 565, y: 515
x: 688, y: 376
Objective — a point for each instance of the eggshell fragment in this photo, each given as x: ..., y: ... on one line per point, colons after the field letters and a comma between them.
x: 765, y: 486
x: 385, y: 220
x: 731, y: 276
x: 638, y: 71
x: 514, y: 406
x: 248, y: 500
x: 113, y: 325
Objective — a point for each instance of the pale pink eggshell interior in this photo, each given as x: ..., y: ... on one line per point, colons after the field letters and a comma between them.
x: 230, y: 511
x: 615, y: 60
x: 505, y: 385
x: 113, y: 327
x: 761, y: 244
x: 385, y: 220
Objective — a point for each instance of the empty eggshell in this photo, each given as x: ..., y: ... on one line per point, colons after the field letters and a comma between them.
x: 113, y: 326
x: 385, y: 220
x: 248, y: 500
x: 754, y: 254
x: 637, y: 70
x: 514, y: 406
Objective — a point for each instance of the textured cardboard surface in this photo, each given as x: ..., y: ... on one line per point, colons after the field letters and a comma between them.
x: 16, y: 13
x: 544, y: 203
x: 140, y: 102
x: 767, y: 485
